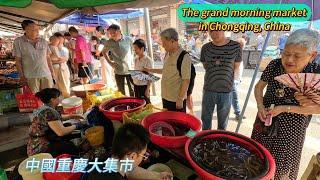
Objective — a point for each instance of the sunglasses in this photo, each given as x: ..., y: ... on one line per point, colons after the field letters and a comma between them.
x: 145, y: 156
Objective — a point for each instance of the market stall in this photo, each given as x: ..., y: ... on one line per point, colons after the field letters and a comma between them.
x: 179, y: 145
x: 9, y: 83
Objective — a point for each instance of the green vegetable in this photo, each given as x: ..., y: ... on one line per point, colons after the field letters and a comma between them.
x: 139, y: 116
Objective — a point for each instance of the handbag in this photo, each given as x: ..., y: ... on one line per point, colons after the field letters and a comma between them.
x: 271, y: 130
x: 27, y: 101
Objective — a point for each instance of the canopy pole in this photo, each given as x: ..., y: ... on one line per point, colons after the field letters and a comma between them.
x: 149, y: 41
x: 253, y: 81
x: 254, y: 78
x: 312, y: 15
x: 148, y: 31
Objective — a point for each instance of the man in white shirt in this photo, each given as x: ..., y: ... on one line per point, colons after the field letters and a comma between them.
x: 59, y: 57
x: 70, y: 43
x: 32, y: 55
x: 106, y: 69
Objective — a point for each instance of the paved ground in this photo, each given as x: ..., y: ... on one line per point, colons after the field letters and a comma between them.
x: 311, y: 145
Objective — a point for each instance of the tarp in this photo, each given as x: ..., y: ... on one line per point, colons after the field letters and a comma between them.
x: 134, y: 4
x: 100, y: 6
x: 16, y: 3
x: 62, y: 4
x: 103, y: 19
x: 37, y: 10
x: 124, y: 14
x: 83, y: 20
x: 85, y: 3
x: 45, y: 13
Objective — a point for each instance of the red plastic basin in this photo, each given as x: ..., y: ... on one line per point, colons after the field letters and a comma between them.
x: 106, y: 107
x: 244, y: 141
x: 81, y: 90
x: 62, y: 175
x: 170, y: 116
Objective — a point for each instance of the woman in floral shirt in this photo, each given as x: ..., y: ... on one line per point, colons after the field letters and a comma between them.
x: 47, y: 132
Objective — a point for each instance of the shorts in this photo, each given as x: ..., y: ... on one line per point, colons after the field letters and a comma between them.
x: 37, y: 84
x: 83, y: 72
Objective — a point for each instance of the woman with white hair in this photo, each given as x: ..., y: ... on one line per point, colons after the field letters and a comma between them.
x: 284, y: 138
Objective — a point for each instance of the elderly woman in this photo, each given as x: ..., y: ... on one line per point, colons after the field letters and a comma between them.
x: 292, y: 111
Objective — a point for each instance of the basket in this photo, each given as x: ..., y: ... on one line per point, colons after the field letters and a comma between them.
x: 137, y: 116
x: 86, y: 104
x: 98, y: 99
x: 95, y: 135
x: 313, y: 169
x: 27, y: 101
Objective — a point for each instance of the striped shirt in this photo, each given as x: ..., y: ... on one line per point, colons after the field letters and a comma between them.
x: 219, y: 62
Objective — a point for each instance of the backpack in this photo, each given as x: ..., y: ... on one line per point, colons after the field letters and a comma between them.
x: 193, y: 70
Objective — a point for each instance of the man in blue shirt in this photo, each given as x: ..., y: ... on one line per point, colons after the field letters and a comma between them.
x: 260, y: 41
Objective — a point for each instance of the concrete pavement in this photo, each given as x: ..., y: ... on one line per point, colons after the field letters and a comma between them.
x: 312, y: 141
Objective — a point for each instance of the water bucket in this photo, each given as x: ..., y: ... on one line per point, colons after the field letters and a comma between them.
x: 72, y: 105
x: 114, y: 108
x: 177, y: 141
x: 81, y: 90
x: 252, y: 146
x: 62, y: 175
x: 160, y: 168
x: 36, y: 173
